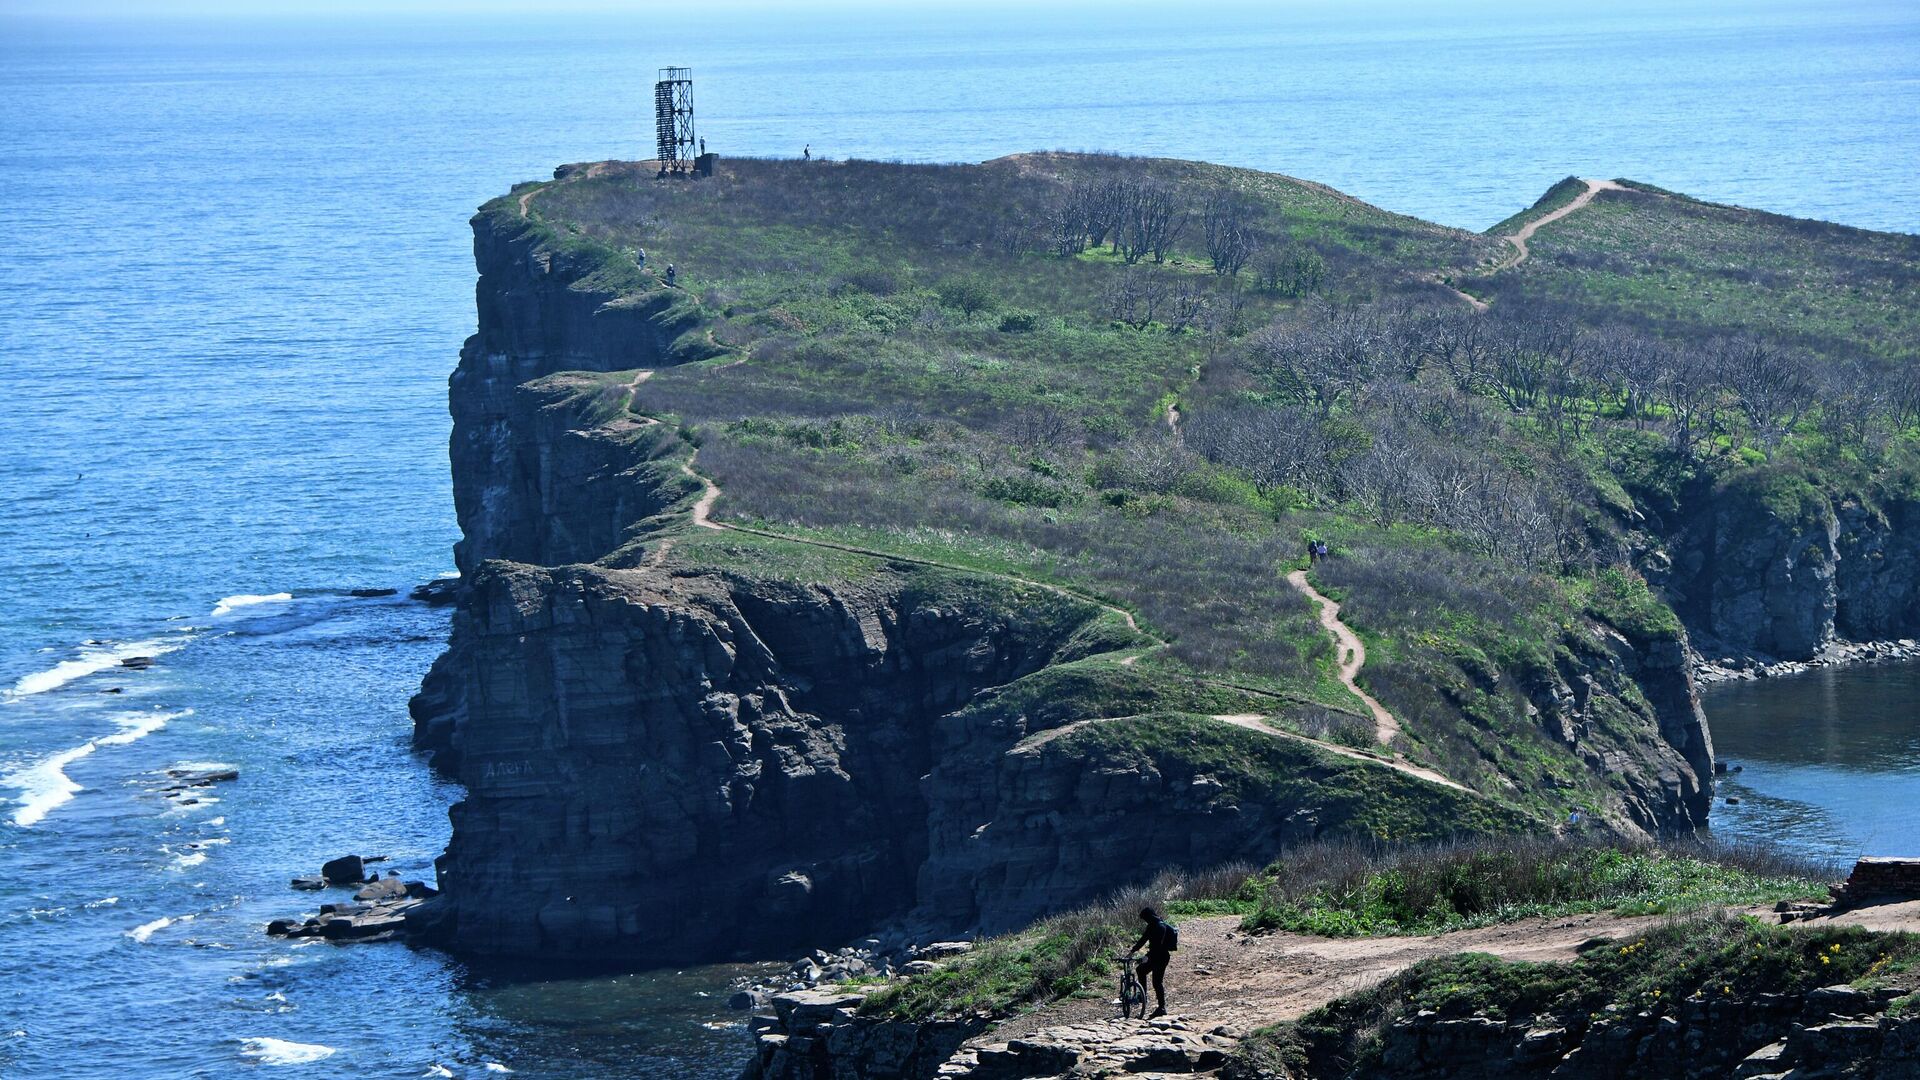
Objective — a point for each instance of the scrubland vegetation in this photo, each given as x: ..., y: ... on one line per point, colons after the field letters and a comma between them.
x: 1153, y: 381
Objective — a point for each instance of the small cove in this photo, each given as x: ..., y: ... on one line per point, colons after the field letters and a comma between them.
x: 1829, y: 761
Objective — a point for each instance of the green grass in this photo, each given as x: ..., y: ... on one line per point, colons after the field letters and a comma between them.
x: 1689, y: 268
x: 1658, y: 973
x: 1437, y: 890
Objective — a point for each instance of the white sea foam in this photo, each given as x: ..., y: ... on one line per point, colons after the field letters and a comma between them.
x: 234, y: 603
x: 183, y: 862
x: 94, y: 657
x: 146, y: 930
x: 437, y: 1070
x: 107, y: 902
x: 45, y: 785
x: 494, y: 1066
x: 281, y: 1052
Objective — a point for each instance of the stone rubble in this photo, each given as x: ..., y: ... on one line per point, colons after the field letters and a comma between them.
x: 378, y: 911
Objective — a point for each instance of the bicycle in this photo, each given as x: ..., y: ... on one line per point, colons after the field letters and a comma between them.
x: 1132, y: 991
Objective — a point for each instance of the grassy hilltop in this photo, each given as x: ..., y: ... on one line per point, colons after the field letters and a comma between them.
x: 1149, y: 382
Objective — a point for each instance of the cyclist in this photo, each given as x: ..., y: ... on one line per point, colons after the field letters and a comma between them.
x: 1155, y: 936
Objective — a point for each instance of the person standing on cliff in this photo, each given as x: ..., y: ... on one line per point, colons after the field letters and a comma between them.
x: 1159, y: 939
x: 806, y: 152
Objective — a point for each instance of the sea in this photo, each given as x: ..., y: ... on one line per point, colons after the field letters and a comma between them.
x: 235, y: 272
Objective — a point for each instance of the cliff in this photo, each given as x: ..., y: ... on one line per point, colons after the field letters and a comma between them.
x: 963, y: 630
x: 1786, y: 565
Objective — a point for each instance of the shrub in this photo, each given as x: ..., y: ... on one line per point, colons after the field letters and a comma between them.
x: 1019, y: 322
x: 1349, y: 890
x: 968, y: 293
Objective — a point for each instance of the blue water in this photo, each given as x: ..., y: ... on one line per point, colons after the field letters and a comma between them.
x: 1829, y: 761
x: 236, y: 272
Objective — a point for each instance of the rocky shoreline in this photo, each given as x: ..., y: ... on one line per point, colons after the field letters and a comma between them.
x: 379, y: 910
x: 1712, y: 664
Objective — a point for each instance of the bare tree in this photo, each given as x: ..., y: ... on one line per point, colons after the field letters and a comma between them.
x: 1771, y: 385
x: 1136, y: 297
x: 1187, y: 304
x: 1151, y: 221
x: 1230, y: 239
x: 1692, y: 392
x: 1321, y: 362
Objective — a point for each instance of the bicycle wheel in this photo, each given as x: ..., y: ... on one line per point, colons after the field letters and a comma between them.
x: 1132, y: 995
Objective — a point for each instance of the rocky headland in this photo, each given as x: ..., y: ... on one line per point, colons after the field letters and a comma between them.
x: 818, y: 594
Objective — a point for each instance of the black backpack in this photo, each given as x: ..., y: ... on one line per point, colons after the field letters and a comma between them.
x: 1171, y: 934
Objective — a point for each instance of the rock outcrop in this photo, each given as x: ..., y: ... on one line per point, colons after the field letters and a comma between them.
x: 1831, y: 1032
x: 667, y: 768
x: 1771, y: 565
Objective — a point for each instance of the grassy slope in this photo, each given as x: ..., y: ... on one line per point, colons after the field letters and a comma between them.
x: 1690, y: 268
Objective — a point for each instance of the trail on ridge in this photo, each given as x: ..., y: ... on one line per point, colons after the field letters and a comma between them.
x: 1518, y: 239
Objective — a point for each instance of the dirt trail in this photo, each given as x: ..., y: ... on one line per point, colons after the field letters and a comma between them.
x: 1518, y: 240
x: 1228, y: 983
x: 1225, y: 977
x: 1353, y: 654
x: 1256, y: 722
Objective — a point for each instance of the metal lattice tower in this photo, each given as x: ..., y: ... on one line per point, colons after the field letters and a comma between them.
x: 675, y: 143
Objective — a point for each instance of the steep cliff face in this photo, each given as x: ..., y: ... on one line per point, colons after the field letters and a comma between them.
x: 1771, y: 564
x: 669, y: 767
x: 531, y: 481
x: 1625, y: 703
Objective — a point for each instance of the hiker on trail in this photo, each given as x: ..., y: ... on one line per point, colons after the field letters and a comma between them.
x: 1313, y: 552
x: 1161, y: 939
x: 672, y: 272
x: 806, y: 154
x: 1320, y: 549
x: 640, y: 258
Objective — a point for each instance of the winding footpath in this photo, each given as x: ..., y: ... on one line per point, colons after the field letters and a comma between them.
x: 1518, y: 240
x: 1386, y: 727
x: 1353, y: 654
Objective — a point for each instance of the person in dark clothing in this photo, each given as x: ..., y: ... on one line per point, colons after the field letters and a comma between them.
x: 1154, y: 937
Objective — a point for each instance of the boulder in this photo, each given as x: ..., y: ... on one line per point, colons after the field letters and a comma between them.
x: 345, y: 870
x: 386, y: 888
x: 310, y: 884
